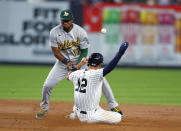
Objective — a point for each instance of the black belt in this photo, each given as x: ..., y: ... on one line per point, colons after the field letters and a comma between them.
x: 83, y: 112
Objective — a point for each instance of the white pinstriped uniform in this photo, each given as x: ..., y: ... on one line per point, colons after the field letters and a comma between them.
x: 87, y: 94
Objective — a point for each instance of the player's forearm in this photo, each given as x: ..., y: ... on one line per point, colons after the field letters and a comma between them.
x: 62, y: 58
x: 78, y: 66
x: 83, y: 54
x: 112, y: 64
x: 59, y: 56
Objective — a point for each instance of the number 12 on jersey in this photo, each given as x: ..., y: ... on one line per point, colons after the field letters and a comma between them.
x: 82, y: 83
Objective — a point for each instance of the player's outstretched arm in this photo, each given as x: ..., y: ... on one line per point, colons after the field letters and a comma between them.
x: 112, y: 64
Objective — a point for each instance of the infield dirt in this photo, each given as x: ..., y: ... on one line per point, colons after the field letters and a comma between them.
x: 19, y: 115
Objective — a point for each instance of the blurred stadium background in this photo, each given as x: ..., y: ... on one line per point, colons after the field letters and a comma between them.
x: 152, y: 27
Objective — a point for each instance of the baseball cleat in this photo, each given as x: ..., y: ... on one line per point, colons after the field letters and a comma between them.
x: 41, y: 114
x: 116, y: 109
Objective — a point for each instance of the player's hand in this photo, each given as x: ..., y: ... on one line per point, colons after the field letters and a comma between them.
x: 69, y: 65
x: 123, y: 47
x: 84, y: 60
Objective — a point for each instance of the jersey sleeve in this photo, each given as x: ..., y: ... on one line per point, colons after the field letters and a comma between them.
x: 53, y: 39
x: 73, y: 76
x: 100, y: 72
x: 97, y: 74
x: 84, y: 42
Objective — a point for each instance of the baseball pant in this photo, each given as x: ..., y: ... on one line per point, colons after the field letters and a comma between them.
x: 57, y: 74
x: 97, y: 115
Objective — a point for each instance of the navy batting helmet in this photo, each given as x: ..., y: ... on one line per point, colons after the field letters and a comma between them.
x: 95, y: 59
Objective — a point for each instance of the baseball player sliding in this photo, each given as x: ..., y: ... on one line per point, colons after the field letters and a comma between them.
x: 69, y: 43
x: 88, y: 87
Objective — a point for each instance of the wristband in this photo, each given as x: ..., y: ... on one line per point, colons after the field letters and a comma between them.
x: 65, y: 61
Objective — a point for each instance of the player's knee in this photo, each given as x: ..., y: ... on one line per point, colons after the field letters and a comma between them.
x: 118, y: 118
x: 48, y: 85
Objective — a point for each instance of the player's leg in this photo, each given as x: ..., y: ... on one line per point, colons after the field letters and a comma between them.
x: 108, y: 94
x: 106, y: 89
x: 77, y: 114
x: 57, y: 74
x: 104, y: 116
